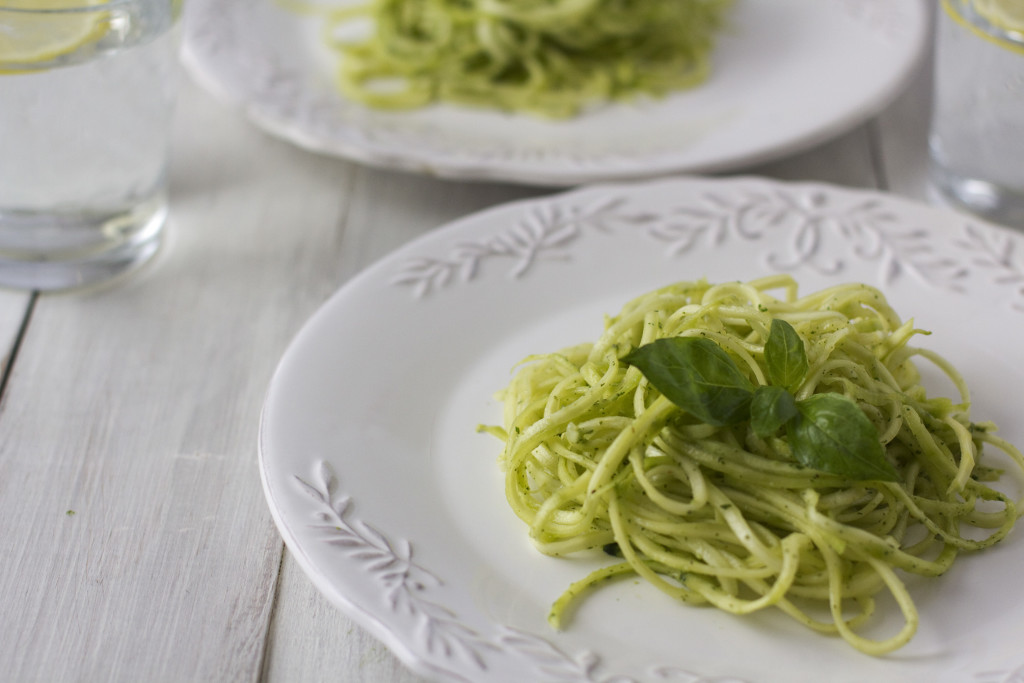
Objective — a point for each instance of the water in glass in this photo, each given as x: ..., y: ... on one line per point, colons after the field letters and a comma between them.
x: 977, y: 135
x: 84, y: 142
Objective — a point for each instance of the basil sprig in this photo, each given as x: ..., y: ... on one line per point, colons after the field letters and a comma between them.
x: 771, y: 409
x: 784, y: 356
x: 826, y: 432
x: 698, y: 376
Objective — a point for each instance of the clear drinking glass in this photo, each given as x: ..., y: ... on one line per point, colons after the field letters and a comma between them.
x: 977, y: 133
x: 86, y: 95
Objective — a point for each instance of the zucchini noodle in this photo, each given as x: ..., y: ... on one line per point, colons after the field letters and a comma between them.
x: 596, y: 458
x: 546, y: 57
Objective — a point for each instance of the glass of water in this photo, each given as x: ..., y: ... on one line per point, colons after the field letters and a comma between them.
x: 977, y: 133
x: 86, y: 94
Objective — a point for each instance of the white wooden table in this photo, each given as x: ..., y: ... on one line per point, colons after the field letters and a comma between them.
x: 136, y: 544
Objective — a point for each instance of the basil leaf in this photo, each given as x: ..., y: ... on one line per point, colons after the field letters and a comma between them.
x: 831, y: 434
x: 697, y: 375
x: 771, y: 408
x: 784, y: 356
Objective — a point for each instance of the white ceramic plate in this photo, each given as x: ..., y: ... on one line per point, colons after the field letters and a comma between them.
x: 788, y: 74
x: 393, y: 503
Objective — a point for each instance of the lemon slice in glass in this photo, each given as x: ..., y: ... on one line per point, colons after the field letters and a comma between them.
x: 1007, y: 15
x: 1004, y: 19
x: 33, y: 33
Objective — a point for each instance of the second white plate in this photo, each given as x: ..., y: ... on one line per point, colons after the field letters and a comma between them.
x: 788, y: 74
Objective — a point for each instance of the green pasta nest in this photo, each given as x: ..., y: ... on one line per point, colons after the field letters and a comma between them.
x: 547, y: 57
x: 596, y: 457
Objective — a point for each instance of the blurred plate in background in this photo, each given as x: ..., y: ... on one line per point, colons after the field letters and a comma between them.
x: 787, y: 74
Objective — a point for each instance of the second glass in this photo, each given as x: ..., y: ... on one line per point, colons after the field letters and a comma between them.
x: 977, y: 134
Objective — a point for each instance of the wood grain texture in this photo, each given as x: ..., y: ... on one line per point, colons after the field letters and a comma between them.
x: 14, y: 308
x: 845, y: 160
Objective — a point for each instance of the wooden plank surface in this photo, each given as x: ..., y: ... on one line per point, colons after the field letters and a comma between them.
x: 137, y: 544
